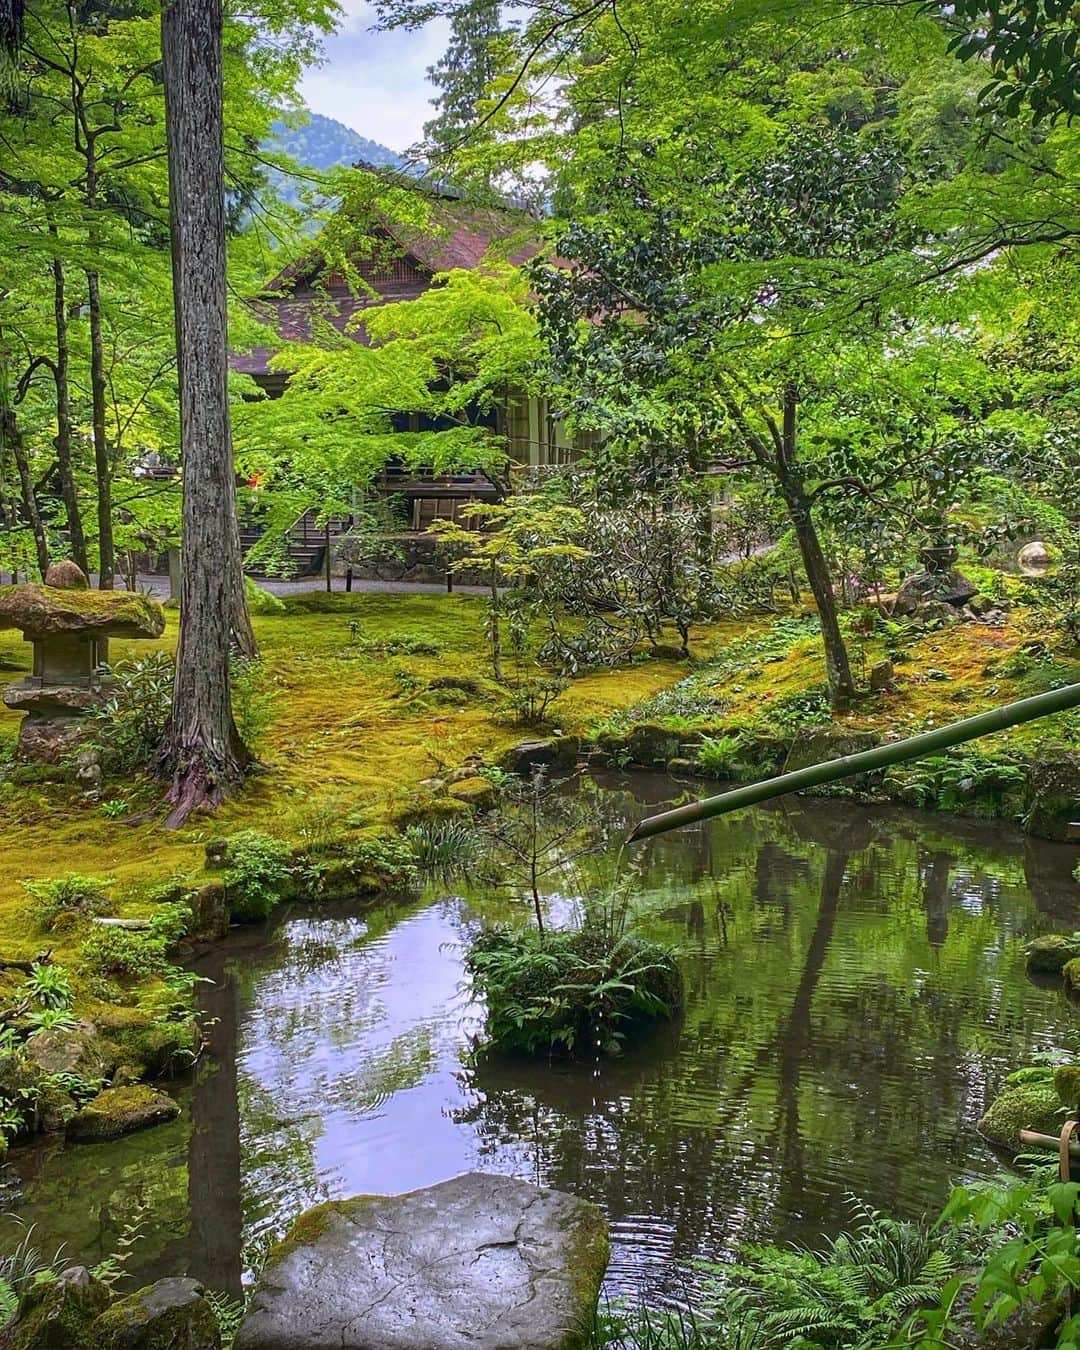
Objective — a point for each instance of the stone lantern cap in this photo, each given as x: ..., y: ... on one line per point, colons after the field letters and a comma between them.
x: 66, y: 606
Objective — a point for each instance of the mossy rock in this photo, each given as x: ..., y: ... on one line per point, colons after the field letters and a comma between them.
x: 121, y: 1110
x: 170, y: 1315
x: 58, y: 1314
x: 1027, y: 1106
x: 1070, y: 973
x: 421, y: 809
x: 650, y: 744
x: 475, y: 792
x: 1049, y: 955
x: 1067, y: 1083
x: 209, y: 913
x: 132, y: 1038
x: 1052, y: 800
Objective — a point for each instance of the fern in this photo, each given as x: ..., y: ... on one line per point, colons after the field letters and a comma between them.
x: 9, y: 1302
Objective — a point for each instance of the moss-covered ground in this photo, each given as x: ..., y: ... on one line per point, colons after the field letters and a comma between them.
x: 361, y: 719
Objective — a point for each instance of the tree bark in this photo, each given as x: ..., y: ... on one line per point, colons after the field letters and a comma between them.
x: 11, y: 436
x: 838, y: 667
x: 204, y: 754
x: 102, y: 464
x: 64, y: 458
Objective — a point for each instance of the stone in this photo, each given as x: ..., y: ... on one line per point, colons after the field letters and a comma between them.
x: 209, y: 913
x: 172, y: 1314
x: 527, y: 756
x: 67, y: 576
x: 1052, y: 798
x: 136, y: 1040
x: 1026, y: 1106
x: 121, y: 1110
x: 815, y: 745
x: 650, y: 744
x: 1034, y: 559
x: 69, y: 627
x: 1070, y: 976
x: 88, y: 771
x: 1049, y: 955
x: 58, y: 1314
x: 881, y: 677
x: 1067, y: 1084
x: 476, y: 792
x: 950, y: 587
x: 479, y: 1262
x: 75, y: 1051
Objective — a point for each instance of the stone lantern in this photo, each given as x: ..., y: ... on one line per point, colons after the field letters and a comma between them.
x: 69, y: 625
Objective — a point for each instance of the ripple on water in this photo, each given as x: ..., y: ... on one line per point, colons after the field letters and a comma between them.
x: 855, y: 991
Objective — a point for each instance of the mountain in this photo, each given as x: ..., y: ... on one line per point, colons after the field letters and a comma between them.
x: 322, y: 143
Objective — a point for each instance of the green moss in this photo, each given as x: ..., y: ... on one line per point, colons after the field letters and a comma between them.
x: 1067, y: 1083
x: 588, y: 1257
x: 146, y: 1320
x: 477, y: 793
x: 1027, y: 1106
x: 1049, y: 955
x: 120, y: 1110
x: 59, y: 1315
x: 307, y: 1229
x: 1070, y: 973
x: 144, y: 1046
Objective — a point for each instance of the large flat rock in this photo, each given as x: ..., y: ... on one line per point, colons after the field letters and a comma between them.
x: 484, y: 1262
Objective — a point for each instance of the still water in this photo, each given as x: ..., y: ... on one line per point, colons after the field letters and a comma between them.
x: 855, y: 993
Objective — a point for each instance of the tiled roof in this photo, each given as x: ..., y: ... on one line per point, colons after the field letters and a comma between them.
x: 459, y: 235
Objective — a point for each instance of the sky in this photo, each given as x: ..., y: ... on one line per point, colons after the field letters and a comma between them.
x: 375, y: 82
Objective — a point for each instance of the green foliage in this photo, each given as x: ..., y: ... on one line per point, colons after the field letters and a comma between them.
x: 254, y: 702
x: 618, y: 1327
x: 717, y: 755
x: 129, y: 724
x: 857, y: 1292
x: 579, y: 992
x: 258, y: 873
x: 24, y: 1267
x: 390, y: 858
x: 955, y: 780
x: 260, y: 601
x: 443, y: 845
x: 229, y: 1313
x: 791, y: 712
x: 49, y: 986
x: 529, y: 701
x: 119, y: 953
x: 69, y: 895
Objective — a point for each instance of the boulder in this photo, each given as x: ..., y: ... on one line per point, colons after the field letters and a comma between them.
x: 58, y: 1314
x: 650, y: 744
x: 881, y: 677
x: 1067, y: 1084
x: 170, y: 1315
x: 209, y: 913
x: 134, y: 1039
x: 1026, y: 1106
x: 1050, y: 955
x: 950, y: 587
x: 76, y: 1050
x: 1052, y: 800
x: 476, y: 1263
x: 475, y: 792
x: 121, y: 1110
x: 527, y: 756
x: 1070, y: 974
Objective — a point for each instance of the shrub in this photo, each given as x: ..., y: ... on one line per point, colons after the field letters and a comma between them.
x: 120, y: 953
x: 807, y: 708
x: 70, y: 894
x: 129, y: 725
x: 260, y: 601
x: 566, y: 991
x: 389, y: 858
x: 717, y: 754
x: 862, y: 1286
x: 258, y: 872
x: 49, y: 986
x: 443, y: 844
x: 530, y: 701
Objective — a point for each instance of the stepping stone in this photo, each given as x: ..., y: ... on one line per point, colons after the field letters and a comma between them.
x: 484, y: 1262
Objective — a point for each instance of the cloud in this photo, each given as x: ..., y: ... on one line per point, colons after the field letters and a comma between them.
x: 376, y: 82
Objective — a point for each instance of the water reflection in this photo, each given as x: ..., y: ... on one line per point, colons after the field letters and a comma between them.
x: 855, y: 990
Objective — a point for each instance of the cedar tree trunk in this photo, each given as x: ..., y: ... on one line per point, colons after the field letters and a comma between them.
x: 203, y: 753
x: 64, y: 460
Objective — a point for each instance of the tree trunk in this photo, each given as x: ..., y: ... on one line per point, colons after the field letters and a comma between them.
x: 64, y: 460
x: 102, y: 464
x: 838, y: 667
x: 203, y: 753
x: 11, y: 437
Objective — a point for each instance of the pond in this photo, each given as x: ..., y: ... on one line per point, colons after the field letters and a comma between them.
x: 855, y: 993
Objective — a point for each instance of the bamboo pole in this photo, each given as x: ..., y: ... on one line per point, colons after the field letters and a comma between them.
x: 881, y: 757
